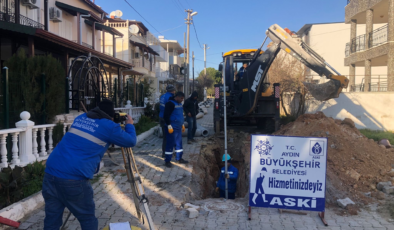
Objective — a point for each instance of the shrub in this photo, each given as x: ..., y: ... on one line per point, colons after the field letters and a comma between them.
x: 26, y: 77
x: 19, y: 183
x: 144, y: 124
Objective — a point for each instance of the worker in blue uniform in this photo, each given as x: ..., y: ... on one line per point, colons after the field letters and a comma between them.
x: 241, y: 71
x: 163, y: 100
x: 75, y: 159
x: 232, y: 176
x: 173, y: 117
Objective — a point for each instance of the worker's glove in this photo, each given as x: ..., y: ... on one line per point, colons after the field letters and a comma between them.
x: 217, y: 189
x: 170, y: 129
x: 183, y: 128
x: 227, y: 176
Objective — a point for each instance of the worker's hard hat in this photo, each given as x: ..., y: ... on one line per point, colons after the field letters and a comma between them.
x: 224, y: 158
x: 264, y: 169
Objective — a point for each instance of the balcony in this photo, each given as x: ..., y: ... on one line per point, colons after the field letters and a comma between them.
x: 143, y: 63
x: 376, y: 37
x: 11, y: 17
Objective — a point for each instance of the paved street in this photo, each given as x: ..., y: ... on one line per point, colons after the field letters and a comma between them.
x: 167, y: 190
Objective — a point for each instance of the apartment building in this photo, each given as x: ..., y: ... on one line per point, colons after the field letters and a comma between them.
x: 64, y: 29
x: 373, y: 46
x: 140, y: 48
x: 329, y: 40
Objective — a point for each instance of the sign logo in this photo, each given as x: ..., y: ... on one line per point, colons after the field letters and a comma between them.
x: 257, y: 79
x: 316, y: 148
x: 263, y: 147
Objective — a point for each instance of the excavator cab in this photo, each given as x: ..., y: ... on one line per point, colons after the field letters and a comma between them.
x: 255, y: 107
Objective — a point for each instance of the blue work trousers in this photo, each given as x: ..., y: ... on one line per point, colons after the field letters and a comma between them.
x: 191, y: 127
x: 174, y: 139
x: 76, y: 195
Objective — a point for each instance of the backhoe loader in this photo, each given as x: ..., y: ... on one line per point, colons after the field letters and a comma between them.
x: 252, y: 99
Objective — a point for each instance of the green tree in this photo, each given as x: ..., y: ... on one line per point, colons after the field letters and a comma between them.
x: 26, y: 83
x: 207, y: 80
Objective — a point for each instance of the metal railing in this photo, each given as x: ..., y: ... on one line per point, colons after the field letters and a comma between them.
x: 10, y: 17
x: 87, y: 45
x: 347, y: 49
x: 378, y: 82
x: 358, y: 44
x: 378, y: 36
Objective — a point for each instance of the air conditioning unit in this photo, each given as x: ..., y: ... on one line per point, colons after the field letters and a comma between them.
x: 137, y: 55
x: 32, y: 4
x: 55, y: 14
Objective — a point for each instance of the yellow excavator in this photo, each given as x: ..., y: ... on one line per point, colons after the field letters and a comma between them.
x: 252, y: 99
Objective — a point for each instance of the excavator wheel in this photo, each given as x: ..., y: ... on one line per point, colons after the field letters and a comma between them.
x: 219, y: 126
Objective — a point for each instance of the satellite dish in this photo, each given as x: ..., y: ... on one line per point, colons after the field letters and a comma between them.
x: 118, y: 13
x: 112, y: 14
x: 134, y: 29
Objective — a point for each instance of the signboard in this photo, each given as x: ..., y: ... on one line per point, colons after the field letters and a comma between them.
x: 288, y: 172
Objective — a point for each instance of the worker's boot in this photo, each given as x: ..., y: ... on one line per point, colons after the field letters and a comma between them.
x: 168, y: 164
x: 163, y: 155
x: 182, y: 161
x: 189, y: 142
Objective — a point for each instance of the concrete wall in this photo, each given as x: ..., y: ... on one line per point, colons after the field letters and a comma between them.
x: 368, y: 110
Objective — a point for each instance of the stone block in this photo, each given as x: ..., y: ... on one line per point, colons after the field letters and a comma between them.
x: 344, y: 202
x: 383, y: 184
x: 353, y: 174
x: 388, y: 189
x: 193, y: 213
x: 188, y: 205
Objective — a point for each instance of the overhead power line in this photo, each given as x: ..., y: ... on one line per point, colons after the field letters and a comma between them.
x: 196, y: 34
x: 141, y: 16
x: 207, y: 61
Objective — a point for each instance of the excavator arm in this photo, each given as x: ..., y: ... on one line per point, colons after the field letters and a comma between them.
x: 250, y: 86
x: 295, y: 47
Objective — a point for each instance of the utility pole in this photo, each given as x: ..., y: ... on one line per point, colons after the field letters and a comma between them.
x: 184, y: 62
x: 193, y: 69
x: 188, y: 22
x: 205, y: 59
x: 188, y: 55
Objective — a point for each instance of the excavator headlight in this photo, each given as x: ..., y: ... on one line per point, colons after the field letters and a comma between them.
x: 252, y: 53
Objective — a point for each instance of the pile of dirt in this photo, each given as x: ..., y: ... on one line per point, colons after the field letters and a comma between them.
x: 355, y: 164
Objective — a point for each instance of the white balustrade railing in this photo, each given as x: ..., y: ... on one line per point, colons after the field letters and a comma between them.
x: 25, y: 148
x: 134, y: 112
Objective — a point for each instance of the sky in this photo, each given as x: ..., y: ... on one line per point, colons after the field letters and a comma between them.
x: 225, y: 25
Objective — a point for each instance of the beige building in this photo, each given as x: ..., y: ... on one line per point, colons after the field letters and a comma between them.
x: 329, y: 40
x: 373, y: 46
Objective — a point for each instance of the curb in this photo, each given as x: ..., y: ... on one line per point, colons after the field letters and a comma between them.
x: 146, y: 134
x: 22, y: 208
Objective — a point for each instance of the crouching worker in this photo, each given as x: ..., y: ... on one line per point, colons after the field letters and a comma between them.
x: 74, y: 161
x: 232, y: 176
x: 173, y: 116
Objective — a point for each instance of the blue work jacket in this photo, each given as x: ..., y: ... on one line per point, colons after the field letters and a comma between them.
x: 163, y: 100
x: 176, y: 117
x: 232, y: 181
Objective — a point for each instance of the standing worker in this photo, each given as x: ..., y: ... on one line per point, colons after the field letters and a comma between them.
x: 232, y: 176
x: 74, y: 161
x: 191, y: 109
x: 163, y: 100
x: 173, y: 116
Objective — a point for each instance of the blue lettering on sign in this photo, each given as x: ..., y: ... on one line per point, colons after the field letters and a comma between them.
x: 317, y: 149
x: 287, y: 202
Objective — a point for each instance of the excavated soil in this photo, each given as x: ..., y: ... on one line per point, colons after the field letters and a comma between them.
x: 355, y: 164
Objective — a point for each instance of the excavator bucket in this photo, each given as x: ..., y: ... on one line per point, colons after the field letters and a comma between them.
x: 329, y: 89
